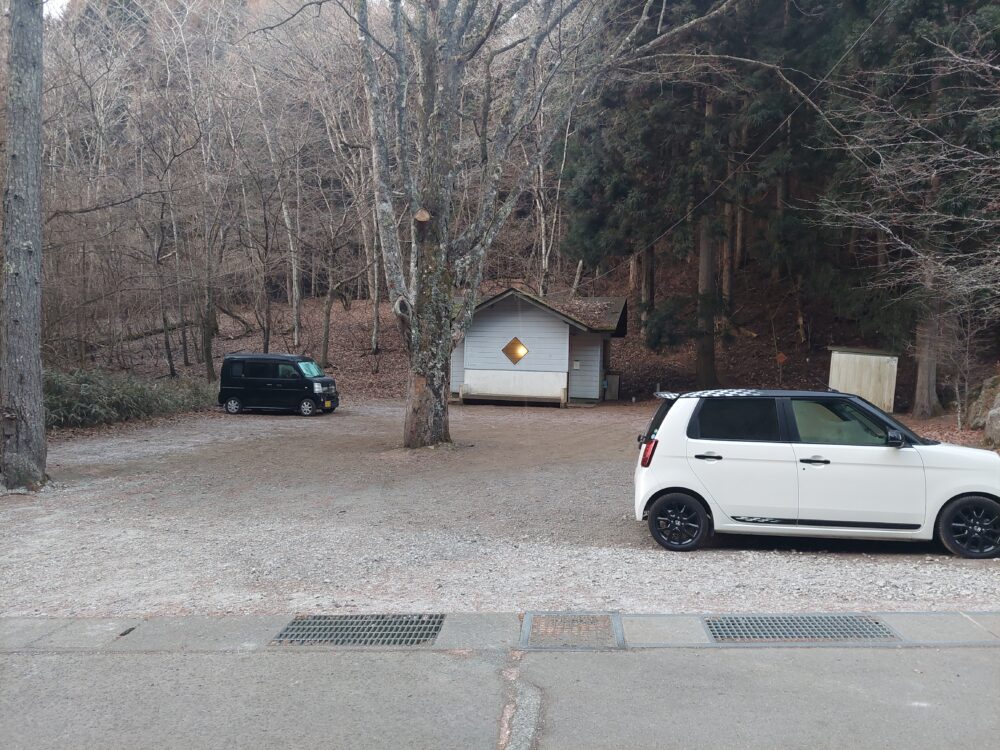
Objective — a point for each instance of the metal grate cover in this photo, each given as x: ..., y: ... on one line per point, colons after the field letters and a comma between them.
x: 797, y: 628
x: 572, y: 631
x: 360, y: 630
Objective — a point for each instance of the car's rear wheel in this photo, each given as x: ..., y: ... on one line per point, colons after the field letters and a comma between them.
x: 307, y: 407
x: 970, y: 527
x: 233, y: 406
x: 679, y: 522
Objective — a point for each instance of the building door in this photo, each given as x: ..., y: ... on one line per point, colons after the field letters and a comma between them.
x: 585, y: 352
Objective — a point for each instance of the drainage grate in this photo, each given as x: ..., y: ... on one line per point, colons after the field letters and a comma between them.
x: 797, y: 628
x: 572, y: 631
x: 360, y: 630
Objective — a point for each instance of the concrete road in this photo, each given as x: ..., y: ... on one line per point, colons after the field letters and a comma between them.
x: 216, y: 682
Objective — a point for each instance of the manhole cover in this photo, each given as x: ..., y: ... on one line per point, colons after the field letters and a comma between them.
x: 797, y: 628
x: 360, y: 630
x: 572, y: 631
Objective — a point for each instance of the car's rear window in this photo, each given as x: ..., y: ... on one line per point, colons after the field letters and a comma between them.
x: 751, y: 419
x: 657, y: 420
x: 236, y: 369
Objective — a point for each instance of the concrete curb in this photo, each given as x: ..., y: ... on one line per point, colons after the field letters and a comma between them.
x: 460, y: 632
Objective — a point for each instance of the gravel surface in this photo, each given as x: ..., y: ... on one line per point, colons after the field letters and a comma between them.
x: 530, y: 510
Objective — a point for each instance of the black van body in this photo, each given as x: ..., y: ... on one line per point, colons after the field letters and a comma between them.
x: 279, y: 382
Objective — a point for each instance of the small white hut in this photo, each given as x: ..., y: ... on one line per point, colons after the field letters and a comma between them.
x: 522, y: 348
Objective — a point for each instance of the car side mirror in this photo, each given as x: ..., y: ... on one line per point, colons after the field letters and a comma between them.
x: 894, y: 439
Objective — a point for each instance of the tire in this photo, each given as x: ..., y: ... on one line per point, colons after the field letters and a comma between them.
x: 307, y: 407
x: 679, y: 523
x: 970, y: 527
x: 233, y: 406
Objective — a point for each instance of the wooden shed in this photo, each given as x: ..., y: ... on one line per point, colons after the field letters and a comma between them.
x: 869, y: 373
x: 522, y: 348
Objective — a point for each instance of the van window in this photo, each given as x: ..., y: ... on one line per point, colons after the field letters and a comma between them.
x: 236, y: 369
x: 750, y: 419
x: 258, y: 370
x: 287, y: 371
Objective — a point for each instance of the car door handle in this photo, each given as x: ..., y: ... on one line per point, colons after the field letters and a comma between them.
x: 815, y: 460
x: 708, y: 456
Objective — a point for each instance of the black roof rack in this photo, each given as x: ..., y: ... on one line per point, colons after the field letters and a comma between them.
x: 252, y: 355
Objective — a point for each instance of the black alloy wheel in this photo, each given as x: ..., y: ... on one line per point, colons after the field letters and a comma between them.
x: 970, y: 527
x: 679, y: 522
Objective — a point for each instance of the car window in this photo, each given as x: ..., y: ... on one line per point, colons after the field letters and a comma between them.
x: 654, y: 424
x: 287, y: 370
x: 258, y: 370
x: 835, y: 422
x: 236, y: 369
x: 310, y: 369
x: 751, y: 419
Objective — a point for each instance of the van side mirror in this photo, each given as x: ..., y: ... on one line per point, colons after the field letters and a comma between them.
x: 894, y: 439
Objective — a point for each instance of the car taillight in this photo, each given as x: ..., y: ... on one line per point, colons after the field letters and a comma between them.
x: 647, y: 452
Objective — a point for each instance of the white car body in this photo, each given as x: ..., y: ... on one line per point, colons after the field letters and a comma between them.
x: 765, y: 487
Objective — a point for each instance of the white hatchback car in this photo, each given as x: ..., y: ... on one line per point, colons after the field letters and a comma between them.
x: 804, y: 463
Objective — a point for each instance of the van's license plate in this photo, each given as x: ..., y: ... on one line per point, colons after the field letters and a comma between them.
x: 327, y: 404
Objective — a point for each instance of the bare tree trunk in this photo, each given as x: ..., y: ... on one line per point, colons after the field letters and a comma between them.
x: 730, y: 211
x: 295, y: 260
x: 22, y: 432
x: 324, y: 354
x: 171, y: 369
x: 576, y: 278
x: 727, y: 259
x: 925, y: 399
x: 267, y: 321
x: 180, y: 298
x: 373, y: 273
x: 647, y: 296
x: 705, y: 375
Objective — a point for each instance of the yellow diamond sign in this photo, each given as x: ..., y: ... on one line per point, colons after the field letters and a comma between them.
x: 515, y: 350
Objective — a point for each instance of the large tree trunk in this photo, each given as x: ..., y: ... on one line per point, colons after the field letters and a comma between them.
x: 429, y: 333
x: 648, y: 293
x: 22, y: 432
x: 925, y: 399
x: 705, y: 376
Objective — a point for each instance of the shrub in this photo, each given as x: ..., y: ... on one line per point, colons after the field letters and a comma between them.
x: 84, y: 398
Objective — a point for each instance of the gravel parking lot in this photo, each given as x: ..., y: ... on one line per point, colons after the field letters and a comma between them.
x: 531, y: 510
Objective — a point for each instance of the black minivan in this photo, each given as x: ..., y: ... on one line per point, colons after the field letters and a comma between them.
x: 281, y: 382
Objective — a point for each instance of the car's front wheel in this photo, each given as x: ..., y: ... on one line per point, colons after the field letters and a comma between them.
x: 679, y: 522
x: 307, y: 407
x: 970, y: 527
x: 233, y: 406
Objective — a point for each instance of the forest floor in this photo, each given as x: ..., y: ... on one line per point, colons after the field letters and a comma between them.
x: 531, y: 509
